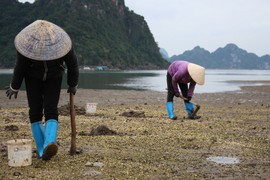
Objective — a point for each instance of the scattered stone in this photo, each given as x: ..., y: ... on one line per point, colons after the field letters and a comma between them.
x: 213, y: 140
x: 3, y: 150
x: 78, y: 151
x: 91, y: 174
x: 132, y: 113
x: 223, y: 160
x: 94, y: 164
x: 100, y: 130
x: 11, y: 128
x: 83, y: 133
x: 89, y: 164
x: 17, y: 174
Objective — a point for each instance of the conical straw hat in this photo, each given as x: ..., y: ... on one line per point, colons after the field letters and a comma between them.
x: 43, y: 40
x: 197, y: 73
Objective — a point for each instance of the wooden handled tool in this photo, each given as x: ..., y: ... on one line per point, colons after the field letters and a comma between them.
x: 73, y: 125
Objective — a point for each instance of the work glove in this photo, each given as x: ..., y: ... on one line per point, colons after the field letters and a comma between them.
x: 72, y: 90
x: 10, y: 92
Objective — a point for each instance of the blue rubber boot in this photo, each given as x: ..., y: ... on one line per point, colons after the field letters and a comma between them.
x: 38, y: 134
x: 170, y: 111
x: 189, y: 108
x: 42, y: 128
x: 192, y: 110
x: 50, y: 146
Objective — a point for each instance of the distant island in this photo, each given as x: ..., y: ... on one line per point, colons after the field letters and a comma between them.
x: 228, y: 57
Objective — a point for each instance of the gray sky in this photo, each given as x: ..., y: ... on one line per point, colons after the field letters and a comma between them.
x: 179, y: 25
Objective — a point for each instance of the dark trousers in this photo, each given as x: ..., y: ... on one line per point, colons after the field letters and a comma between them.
x: 43, y: 96
x: 170, y: 94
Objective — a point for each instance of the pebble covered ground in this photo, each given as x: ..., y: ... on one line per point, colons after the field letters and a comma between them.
x: 130, y: 137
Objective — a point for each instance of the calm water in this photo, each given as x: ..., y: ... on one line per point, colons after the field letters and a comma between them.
x: 216, y: 80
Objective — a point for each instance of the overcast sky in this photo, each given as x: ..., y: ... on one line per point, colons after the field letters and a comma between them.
x: 179, y: 25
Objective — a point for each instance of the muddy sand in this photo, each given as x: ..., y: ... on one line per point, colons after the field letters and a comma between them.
x: 130, y: 137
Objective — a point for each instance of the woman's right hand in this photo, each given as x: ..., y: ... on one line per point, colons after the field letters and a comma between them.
x: 10, y: 91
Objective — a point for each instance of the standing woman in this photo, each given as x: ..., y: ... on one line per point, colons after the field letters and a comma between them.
x: 180, y: 73
x: 42, y: 50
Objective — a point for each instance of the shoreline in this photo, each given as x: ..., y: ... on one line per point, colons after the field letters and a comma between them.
x: 246, y: 95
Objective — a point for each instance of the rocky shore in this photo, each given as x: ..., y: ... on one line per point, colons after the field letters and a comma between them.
x: 130, y: 136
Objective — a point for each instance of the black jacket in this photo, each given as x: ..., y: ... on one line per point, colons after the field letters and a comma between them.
x: 44, y: 70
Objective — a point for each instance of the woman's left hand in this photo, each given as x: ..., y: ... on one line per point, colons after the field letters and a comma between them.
x: 72, y: 90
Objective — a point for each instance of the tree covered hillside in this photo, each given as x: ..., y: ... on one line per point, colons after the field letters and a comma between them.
x: 104, y: 32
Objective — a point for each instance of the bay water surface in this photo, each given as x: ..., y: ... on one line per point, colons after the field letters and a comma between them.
x: 215, y: 80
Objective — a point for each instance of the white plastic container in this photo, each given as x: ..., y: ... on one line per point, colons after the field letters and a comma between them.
x: 91, y: 108
x: 19, y: 152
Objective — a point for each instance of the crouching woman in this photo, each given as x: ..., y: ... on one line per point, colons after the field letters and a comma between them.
x: 185, y: 75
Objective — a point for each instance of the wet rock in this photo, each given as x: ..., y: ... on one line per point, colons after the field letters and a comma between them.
x: 94, y: 164
x: 213, y: 140
x: 100, y: 130
x: 77, y: 151
x: 11, y: 128
x: 17, y: 174
x: 3, y: 150
x: 223, y: 160
x: 132, y: 113
x: 92, y: 174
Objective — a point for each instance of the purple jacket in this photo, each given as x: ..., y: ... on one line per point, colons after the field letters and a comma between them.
x: 179, y: 72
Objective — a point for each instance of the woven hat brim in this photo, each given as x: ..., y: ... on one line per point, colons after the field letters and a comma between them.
x: 43, y: 40
x: 197, y: 73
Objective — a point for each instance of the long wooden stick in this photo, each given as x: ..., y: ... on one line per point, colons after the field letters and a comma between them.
x: 73, y: 125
